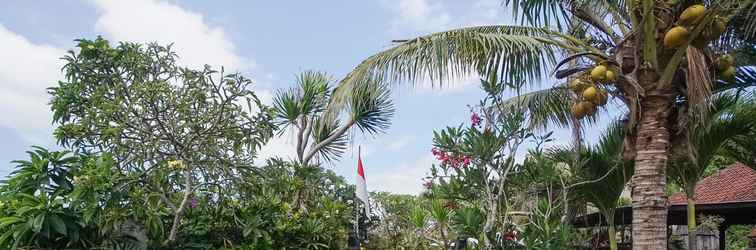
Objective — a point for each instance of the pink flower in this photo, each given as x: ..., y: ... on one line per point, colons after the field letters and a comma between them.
x: 428, y: 184
x: 443, y: 157
x: 466, y: 160
x: 509, y: 236
x: 193, y: 203
x: 475, y: 119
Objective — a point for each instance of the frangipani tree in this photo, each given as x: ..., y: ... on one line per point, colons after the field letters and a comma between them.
x: 653, y: 77
x: 171, y: 129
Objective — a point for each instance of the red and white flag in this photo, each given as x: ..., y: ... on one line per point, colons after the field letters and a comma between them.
x: 361, y: 191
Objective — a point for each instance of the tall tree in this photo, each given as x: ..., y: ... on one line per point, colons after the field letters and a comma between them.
x: 300, y: 110
x: 657, y: 56
x: 135, y: 102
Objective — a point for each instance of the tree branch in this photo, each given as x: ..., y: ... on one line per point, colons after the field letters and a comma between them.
x: 327, y: 141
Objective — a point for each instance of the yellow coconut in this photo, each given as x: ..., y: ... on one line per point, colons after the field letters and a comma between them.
x: 611, y: 76
x: 577, y: 85
x: 676, y: 37
x: 692, y: 15
x: 591, y: 94
x: 598, y: 73
x: 577, y: 111
x: 588, y: 107
x: 729, y: 74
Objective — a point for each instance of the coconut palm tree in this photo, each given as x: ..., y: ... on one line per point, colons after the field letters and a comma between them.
x: 728, y: 124
x: 645, y: 44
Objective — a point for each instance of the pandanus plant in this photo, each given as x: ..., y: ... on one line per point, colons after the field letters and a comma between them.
x: 656, y: 80
x: 300, y: 109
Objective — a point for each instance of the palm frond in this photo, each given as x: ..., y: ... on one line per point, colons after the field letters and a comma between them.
x: 611, y: 141
x: 745, y: 78
x: 286, y: 108
x: 371, y: 107
x: 741, y: 28
x: 566, y: 14
x: 739, y: 127
x: 518, y: 54
x: 724, y: 130
x: 728, y: 126
x: 544, y: 107
x: 601, y: 173
x: 323, y: 130
x: 313, y: 91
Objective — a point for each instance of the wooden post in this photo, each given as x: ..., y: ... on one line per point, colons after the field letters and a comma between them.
x: 722, y: 235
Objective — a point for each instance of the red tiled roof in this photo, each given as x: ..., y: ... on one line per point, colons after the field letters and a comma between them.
x: 736, y: 183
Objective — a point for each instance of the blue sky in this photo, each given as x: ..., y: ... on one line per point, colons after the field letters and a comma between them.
x: 268, y: 41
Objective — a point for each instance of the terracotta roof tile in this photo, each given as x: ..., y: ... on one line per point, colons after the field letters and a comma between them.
x: 736, y: 183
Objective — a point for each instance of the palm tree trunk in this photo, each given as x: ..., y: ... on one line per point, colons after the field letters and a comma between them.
x: 611, y: 232
x: 692, y: 228
x: 612, y: 237
x: 649, y: 179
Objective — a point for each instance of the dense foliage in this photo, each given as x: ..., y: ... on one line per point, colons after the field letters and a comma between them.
x: 162, y: 156
x: 159, y: 156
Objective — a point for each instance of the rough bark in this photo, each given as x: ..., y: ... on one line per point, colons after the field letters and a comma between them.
x: 649, y: 180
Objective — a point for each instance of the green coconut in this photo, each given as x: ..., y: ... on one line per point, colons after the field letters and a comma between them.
x: 729, y: 74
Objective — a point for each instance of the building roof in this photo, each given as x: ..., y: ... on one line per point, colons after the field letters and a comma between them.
x: 736, y: 183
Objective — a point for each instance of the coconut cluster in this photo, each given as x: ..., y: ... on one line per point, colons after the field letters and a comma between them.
x: 726, y: 67
x: 589, y: 88
x: 677, y: 36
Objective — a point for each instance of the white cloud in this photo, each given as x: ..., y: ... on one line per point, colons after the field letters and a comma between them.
x: 404, y: 178
x: 420, y: 15
x: 437, y: 15
x: 35, y: 67
x: 196, y: 42
x: 486, y: 12
x: 447, y: 87
x: 397, y: 144
x: 280, y: 146
x: 29, y: 69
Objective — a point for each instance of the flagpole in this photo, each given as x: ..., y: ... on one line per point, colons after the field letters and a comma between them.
x: 357, y: 205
